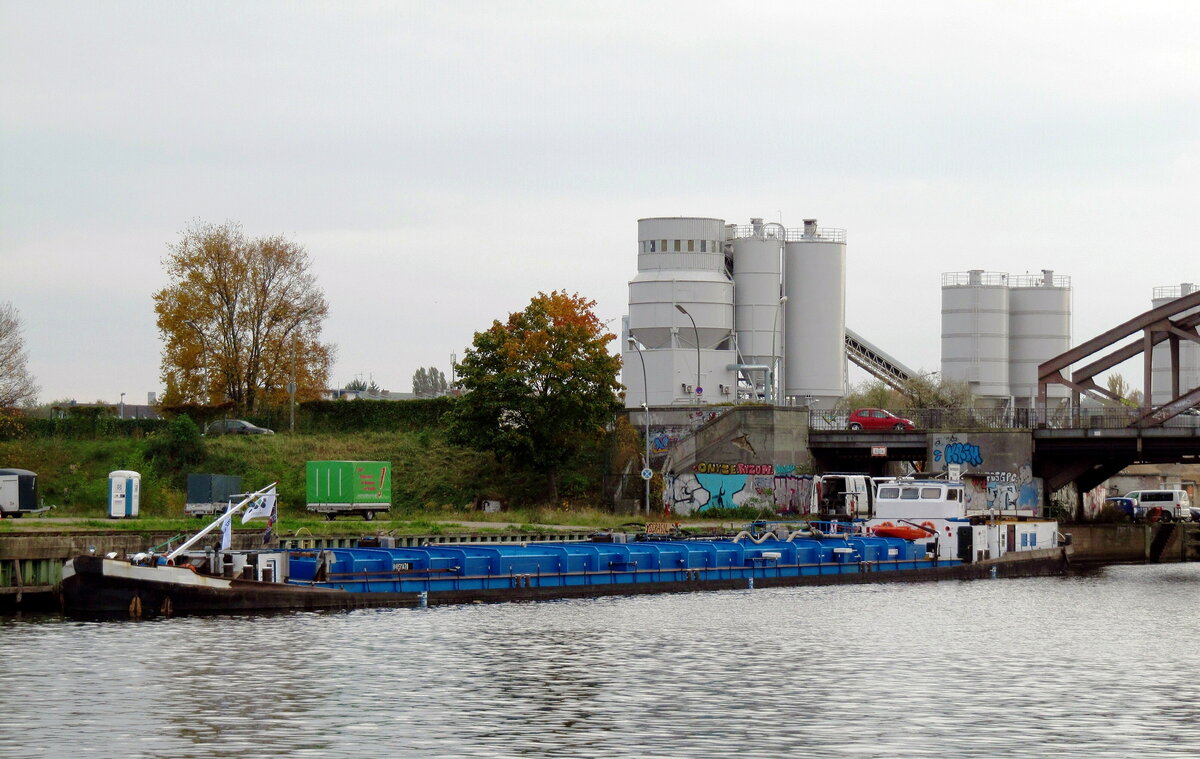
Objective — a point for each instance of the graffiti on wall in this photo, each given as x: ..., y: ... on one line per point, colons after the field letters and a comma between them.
x: 1003, y: 491
x: 950, y: 449
x: 718, y: 485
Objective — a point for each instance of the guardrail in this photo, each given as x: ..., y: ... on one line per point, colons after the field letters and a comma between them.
x: 1004, y: 419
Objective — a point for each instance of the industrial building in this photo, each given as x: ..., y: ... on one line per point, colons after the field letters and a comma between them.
x: 716, y: 309
x: 1189, y: 352
x: 997, y: 328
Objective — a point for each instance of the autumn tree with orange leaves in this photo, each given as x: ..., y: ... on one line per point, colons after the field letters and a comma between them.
x: 538, y: 387
x: 236, y: 316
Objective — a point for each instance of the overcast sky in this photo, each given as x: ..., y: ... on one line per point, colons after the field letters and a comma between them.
x: 442, y: 162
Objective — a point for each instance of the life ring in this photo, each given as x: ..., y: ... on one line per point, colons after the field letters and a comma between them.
x: 930, y: 526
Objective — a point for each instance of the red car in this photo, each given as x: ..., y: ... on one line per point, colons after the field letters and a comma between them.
x: 877, y: 419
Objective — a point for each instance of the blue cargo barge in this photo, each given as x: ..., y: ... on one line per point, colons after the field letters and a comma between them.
x: 557, y: 565
x: 197, y: 581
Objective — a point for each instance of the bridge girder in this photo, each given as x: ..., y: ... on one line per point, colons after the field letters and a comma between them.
x: 1165, y: 323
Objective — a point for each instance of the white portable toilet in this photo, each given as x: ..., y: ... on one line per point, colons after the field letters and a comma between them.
x: 124, y: 490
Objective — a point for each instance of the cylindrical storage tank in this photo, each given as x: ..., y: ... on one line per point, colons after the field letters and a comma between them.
x: 814, y: 270
x: 1189, y: 352
x: 690, y: 272
x: 124, y: 493
x: 756, y: 289
x: 1039, y: 328
x: 975, y: 332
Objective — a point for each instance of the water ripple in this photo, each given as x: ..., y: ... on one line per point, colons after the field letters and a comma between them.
x: 1089, y: 666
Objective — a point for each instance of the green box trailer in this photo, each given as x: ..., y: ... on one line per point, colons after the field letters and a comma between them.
x: 349, y: 487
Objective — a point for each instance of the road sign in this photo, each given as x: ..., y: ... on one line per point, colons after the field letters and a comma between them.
x: 647, y: 473
x: 699, y: 390
x: 954, y: 471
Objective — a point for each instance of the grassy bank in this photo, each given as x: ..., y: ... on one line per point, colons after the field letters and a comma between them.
x: 430, y: 477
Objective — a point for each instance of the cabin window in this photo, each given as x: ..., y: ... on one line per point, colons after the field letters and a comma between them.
x: 931, y: 494
x: 651, y: 244
x: 691, y: 246
x: 889, y: 492
x: 953, y: 494
x: 677, y: 246
x: 704, y: 246
x: 909, y: 494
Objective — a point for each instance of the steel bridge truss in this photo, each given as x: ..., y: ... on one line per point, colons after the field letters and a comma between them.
x: 1170, y: 322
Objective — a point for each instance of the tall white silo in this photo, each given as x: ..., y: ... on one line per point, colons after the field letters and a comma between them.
x: 814, y: 272
x: 681, y: 264
x: 1189, y: 352
x: 1039, y: 328
x: 757, y: 257
x: 975, y: 333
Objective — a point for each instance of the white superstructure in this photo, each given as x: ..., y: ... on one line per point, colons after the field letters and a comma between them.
x: 1189, y: 352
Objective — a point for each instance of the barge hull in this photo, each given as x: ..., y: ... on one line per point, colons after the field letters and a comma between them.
x: 89, y: 591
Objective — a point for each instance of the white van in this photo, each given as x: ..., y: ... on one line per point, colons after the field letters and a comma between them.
x: 1174, y: 504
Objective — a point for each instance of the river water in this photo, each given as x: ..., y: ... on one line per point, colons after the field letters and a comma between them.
x: 1094, y: 665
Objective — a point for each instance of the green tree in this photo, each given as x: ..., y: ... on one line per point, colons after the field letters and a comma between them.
x: 181, y: 446
x: 360, y: 385
x: 1121, y: 393
x: 16, y: 383
x: 429, y: 383
x: 539, y: 387
x: 239, y: 319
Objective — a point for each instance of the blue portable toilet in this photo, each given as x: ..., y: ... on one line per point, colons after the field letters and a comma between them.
x: 124, y: 491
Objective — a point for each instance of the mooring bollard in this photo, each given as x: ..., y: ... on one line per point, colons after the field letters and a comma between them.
x: 750, y: 584
x: 423, y: 599
x: 993, y: 571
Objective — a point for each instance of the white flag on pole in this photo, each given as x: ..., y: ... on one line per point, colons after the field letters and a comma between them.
x: 263, y: 507
x: 226, y: 531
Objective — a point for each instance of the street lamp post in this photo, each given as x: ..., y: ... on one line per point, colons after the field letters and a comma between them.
x: 645, y: 419
x: 774, y: 361
x: 684, y: 311
x: 203, y: 358
x: 122, y: 405
x: 292, y: 385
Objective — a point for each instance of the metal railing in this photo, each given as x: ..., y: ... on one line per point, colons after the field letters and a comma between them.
x: 1038, y: 280
x: 984, y: 278
x: 770, y: 231
x: 1173, y: 291
x: 1006, y: 419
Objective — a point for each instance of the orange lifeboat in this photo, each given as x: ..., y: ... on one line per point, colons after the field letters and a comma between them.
x: 901, y: 531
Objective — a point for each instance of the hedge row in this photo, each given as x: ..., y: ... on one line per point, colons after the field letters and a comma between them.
x: 311, y: 416
x: 83, y: 428
x: 363, y: 415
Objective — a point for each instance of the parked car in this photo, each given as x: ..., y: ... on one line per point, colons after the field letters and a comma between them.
x: 235, y: 427
x: 1126, y: 506
x: 1160, y: 505
x: 877, y: 419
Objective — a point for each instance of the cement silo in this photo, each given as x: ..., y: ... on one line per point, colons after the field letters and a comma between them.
x: 975, y: 314
x: 1039, y: 328
x: 757, y: 256
x: 1189, y: 352
x: 681, y: 312
x: 814, y: 275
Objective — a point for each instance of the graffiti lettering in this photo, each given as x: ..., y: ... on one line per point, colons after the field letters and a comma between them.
x: 963, y: 453
x: 750, y: 469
